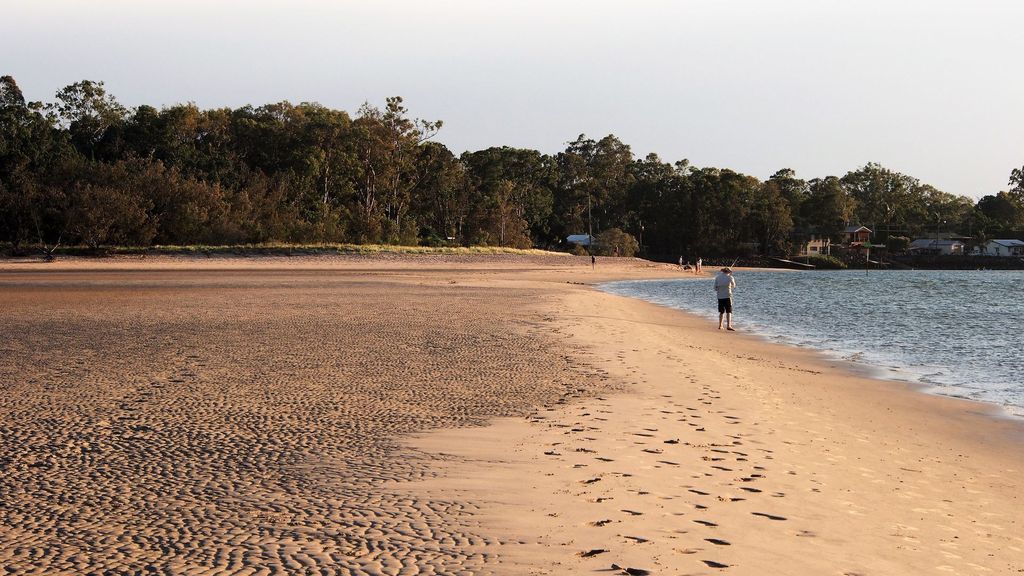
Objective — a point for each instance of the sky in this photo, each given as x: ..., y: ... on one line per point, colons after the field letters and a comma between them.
x: 930, y: 88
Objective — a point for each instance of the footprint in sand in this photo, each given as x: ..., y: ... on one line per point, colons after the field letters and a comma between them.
x: 591, y: 553
x: 769, y: 516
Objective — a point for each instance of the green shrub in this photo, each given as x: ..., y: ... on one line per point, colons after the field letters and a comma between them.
x: 897, y: 243
x: 578, y: 250
x: 826, y: 262
x: 615, y: 242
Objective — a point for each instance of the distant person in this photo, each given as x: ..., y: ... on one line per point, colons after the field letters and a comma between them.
x: 593, y: 261
x: 680, y: 261
x: 724, y: 283
x: 700, y: 263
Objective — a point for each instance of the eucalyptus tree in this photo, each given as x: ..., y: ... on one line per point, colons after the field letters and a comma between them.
x: 323, y: 164
x: 89, y: 114
x: 386, y: 144
x: 19, y: 132
x: 1004, y: 210
x: 657, y: 213
x: 887, y: 201
x: 942, y: 207
x: 533, y: 176
x: 785, y: 185
x: 1017, y: 179
x: 721, y: 204
x: 771, y: 218
x: 594, y: 180
x: 829, y: 207
x: 32, y: 149
x: 498, y: 216
x: 1017, y: 183
x: 442, y: 198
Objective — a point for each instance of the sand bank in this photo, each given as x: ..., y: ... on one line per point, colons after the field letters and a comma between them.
x: 473, y: 415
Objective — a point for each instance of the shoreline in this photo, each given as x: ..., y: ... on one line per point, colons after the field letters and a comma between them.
x: 585, y: 423
x: 895, y: 373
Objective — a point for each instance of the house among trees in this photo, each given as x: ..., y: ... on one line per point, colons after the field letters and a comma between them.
x: 937, y: 246
x: 1002, y: 248
x: 816, y: 246
x: 858, y: 242
x: 857, y: 235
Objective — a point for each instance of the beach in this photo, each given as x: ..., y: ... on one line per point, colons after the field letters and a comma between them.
x: 462, y: 415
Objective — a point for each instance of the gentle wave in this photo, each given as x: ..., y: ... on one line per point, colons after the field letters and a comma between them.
x: 956, y: 332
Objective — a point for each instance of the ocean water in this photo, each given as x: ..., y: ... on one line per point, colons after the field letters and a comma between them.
x: 959, y: 333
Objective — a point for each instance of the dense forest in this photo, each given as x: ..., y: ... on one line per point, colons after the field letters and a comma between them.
x: 86, y: 170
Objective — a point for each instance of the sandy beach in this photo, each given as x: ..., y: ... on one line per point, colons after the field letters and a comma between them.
x: 462, y: 415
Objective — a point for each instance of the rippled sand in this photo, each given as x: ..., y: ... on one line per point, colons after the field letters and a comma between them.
x: 243, y: 421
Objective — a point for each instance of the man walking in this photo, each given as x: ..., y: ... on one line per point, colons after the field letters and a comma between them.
x: 724, y: 283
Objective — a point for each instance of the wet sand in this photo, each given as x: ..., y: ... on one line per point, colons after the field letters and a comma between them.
x: 445, y: 415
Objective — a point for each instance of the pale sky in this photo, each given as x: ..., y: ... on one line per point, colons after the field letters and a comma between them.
x: 931, y: 88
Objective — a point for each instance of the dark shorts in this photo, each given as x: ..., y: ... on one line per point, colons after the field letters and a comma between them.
x: 725, y: 305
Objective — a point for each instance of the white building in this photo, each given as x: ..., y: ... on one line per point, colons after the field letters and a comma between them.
x: 934, y: 246
x: 815, y: 247
x: 1003, y: 248
x: 581, y: 239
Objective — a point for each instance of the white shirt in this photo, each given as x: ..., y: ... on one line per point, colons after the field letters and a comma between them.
x: 724, y: 283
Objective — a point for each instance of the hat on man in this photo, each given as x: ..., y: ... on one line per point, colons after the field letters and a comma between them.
x: 727, y: 270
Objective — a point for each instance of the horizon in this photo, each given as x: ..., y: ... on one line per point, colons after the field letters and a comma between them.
x: 739, y: 75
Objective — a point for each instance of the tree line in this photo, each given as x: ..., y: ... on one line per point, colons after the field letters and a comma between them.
x: 90, y: 171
